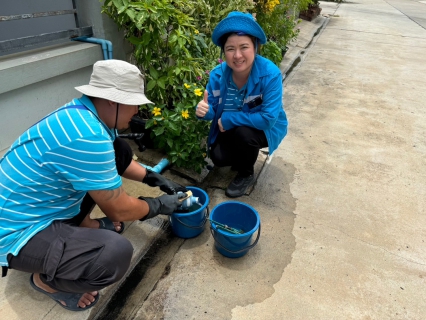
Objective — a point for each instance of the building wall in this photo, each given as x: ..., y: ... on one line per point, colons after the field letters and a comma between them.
x: 36, y: 82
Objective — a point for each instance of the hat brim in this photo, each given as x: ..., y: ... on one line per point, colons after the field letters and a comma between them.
x: 123, y: 97
x: 238, y: 24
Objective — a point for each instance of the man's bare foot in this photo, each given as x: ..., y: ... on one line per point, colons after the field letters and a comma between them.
x: 86, y: 298
x: 94, y: 224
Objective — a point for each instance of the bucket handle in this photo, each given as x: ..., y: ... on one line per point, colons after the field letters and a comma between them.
x: 196, y: 227
x: 239, y: 251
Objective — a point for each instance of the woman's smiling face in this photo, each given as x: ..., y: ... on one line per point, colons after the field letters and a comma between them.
x: 239, y: 53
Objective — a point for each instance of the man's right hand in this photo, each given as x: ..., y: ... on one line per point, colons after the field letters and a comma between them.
x: 165, y: 204
x: 203, y: 106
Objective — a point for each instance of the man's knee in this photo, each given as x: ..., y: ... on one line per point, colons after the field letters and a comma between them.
x: 123, y: 155
x: 121, y: 253
x: 114, y: 261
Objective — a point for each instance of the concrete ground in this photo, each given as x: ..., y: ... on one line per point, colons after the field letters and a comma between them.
x: 342, y: 201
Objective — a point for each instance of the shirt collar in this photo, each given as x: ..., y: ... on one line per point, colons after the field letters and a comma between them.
x: 85, y: 100
x: 254, y: 77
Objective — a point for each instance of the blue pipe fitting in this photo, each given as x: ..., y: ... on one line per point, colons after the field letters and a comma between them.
x: 159, y: 167
x: 106, y: 45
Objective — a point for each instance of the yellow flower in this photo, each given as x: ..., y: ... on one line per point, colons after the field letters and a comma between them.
x: 155, y: 122
x: 194, y: 84
x: 204, y: 155
x: 187, y: 85
x: 185, y: 114
x: 270, y: 5
x: 196, y: 32
x: 198, y: 92
x: 156, y: 111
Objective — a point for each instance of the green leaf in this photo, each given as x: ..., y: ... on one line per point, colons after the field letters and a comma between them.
x: 134, y: 40
x: 181, y: 42
x: 122, y: 9
x: 173, y: 39
x: 118, y: 3
x: 131, y: 14
x: 170, y: 142
x: 151, y: 84
x: 161, y: 83
x: 158, y: 131
x: 146, y: 38
x: 153, y: 73
x: 149, y: 123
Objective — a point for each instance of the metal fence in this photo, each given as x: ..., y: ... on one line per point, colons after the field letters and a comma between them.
x: 26, y: 24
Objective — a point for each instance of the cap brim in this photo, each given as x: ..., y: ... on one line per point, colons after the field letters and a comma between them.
x: 124, y: 97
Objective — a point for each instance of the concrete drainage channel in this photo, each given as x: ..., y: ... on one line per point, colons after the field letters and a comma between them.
x: 300, y: 51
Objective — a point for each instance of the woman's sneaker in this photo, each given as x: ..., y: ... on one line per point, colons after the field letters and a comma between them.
x: 239, y: 186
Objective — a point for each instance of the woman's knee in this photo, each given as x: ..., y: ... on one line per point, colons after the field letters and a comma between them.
x: 219, y: 157
x: 248, y: 136
x: 242, y: 134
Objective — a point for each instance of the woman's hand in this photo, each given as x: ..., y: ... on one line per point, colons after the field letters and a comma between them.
x: 219, y: 122
x: 203, y: 106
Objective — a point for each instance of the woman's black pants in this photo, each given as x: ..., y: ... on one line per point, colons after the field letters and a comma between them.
x: 239, y: 148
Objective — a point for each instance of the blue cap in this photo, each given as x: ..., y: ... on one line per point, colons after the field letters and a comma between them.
x: 240, y: 23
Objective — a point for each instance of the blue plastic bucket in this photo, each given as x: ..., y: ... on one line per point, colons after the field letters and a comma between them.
x: 236, y: 215
x: 191, y: 224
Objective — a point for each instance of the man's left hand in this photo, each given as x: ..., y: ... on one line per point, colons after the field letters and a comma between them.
x: 154, y: 179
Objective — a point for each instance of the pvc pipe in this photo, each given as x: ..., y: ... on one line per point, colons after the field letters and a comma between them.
x: 106, y: 45
x: 109, y: 47
x: 159, y: 167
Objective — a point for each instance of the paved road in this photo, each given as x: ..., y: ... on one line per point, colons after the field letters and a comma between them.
x: 415, y: 10
x: 343, y: 201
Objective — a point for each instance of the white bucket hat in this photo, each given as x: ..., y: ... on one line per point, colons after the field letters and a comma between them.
x: 118, y: 81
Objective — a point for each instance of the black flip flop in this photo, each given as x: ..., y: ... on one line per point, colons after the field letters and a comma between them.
x: 107, y: 224
x: 71, y: 299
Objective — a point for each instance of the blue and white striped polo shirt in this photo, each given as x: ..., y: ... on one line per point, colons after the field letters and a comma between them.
x: 235, y: 97
x: 48, y: 170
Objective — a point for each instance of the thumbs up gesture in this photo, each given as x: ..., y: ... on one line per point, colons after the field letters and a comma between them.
x: 203, y: 105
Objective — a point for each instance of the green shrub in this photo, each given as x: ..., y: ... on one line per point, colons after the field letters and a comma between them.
x: 175, y: 51
x: 170, y: 50
x: 272, y: 51
x: 279, y: 25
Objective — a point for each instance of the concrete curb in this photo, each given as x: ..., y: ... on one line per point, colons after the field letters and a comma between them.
x: 308, y: 30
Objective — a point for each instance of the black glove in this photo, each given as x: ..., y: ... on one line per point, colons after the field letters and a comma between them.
x: 154, y: 179
x: 165, y: 204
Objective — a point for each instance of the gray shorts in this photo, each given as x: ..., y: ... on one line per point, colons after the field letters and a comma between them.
x: 74, y: 259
